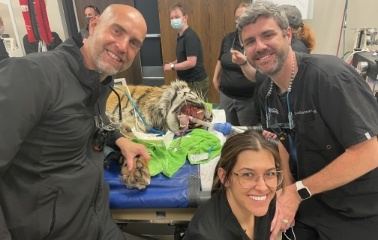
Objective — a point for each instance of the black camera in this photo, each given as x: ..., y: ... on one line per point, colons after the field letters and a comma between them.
x: 102, y: 136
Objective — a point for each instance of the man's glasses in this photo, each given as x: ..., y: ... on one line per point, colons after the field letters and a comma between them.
x: 281, y: 129
x: 249, y: 179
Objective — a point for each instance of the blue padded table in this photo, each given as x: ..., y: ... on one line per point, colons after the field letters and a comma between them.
x: 166, y: 200
x: 182, y: 190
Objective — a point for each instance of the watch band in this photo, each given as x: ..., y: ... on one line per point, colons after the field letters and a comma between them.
x: 302, y: 190
x: 299, y: 185
x: 172, y: 66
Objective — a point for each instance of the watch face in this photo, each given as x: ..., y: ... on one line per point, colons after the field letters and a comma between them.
x: 304, y: 194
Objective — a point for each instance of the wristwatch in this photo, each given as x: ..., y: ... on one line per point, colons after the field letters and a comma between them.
x: 172, y: 66
x: 303, y: 191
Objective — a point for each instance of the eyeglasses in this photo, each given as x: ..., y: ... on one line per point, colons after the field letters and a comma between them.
x: 249, y: 179
x: 281, y: 129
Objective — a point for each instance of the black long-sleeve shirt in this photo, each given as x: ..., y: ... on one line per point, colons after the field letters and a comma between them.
x: 3, y: 51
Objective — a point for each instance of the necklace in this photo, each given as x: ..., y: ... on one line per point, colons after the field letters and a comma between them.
x: 290, y: 114
x: 291, y: 82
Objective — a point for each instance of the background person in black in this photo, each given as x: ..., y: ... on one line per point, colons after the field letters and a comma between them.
x: 189, y: 54
x: 242, y: 203
x: 303, y: 39
x: 230, y: 79
x: 32, y: 47
x: 330, y: 111
x: 90, y: 11
x: 3, y: 51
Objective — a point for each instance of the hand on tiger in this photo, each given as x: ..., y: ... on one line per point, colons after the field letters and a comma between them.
x: 130, y: 150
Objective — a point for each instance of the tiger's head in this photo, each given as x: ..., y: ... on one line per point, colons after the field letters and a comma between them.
x: 179, y: 100
x: 162, y: 107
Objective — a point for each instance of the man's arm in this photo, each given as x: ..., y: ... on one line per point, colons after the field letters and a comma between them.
x: 24, y: 97
x: 190, y: 62
x: 128, y: 148
x: 247, y: 69
x: 344, y: 169
x: 339, y: 172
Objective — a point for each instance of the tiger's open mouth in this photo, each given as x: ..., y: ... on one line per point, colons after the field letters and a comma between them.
x: 197, y: 111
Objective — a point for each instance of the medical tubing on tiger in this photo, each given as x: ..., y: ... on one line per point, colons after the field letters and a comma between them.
x: 226, y: 128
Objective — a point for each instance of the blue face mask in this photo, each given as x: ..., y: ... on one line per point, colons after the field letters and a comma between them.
x: 177, y: 23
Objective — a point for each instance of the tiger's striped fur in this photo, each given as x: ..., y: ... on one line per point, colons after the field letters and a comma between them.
x: 159, y: 106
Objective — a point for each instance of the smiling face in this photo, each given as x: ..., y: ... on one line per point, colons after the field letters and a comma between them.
x: 115, y: 38
x: 255, y: 200
x: 266, y: 45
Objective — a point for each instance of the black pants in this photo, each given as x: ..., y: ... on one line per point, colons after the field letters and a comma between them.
x: 317, y: 222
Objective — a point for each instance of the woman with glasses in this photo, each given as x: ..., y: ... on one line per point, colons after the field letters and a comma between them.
x: 242, y: 204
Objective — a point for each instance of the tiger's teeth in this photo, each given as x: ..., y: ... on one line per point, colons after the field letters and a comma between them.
x: 200, y: 111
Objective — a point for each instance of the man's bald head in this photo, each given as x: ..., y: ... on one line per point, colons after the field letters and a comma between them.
x: 115, y: 9
x: 115, y: 38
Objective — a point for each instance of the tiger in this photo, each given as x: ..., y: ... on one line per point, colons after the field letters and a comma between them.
x: 151, y: 108
x: 163, y: 108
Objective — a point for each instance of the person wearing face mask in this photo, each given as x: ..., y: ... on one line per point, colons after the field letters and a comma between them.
x: 3, y: 51
x: 234, y: 79
x: 189, y: 54
x: 90, y: 11
x: 242, y: 203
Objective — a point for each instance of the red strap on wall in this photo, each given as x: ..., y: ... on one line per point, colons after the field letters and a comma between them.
x: 43, y: 21
x: 27, y: 20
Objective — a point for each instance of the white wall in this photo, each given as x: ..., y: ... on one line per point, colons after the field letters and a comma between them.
x: 328, y: 17
x: 54, y: 14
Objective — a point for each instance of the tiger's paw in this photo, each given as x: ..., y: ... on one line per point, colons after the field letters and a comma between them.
x: 139, y: 177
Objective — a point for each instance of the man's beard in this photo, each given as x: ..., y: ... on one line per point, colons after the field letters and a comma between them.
x: 277, y: 66
x: 97, y: 53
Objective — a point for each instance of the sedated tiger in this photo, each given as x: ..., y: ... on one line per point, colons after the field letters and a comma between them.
x: 147, y: 108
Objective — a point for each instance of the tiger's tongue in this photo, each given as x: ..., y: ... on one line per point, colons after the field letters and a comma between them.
x: 193, y: 112
x: 184, y: 120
